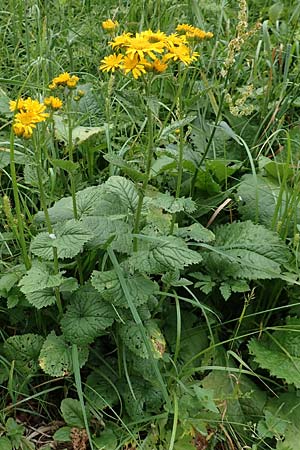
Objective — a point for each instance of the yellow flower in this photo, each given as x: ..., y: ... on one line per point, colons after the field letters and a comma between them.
x: 32, y: 112
x: 134, y: 65
x: 180, y: 53
x: 120, y: 41
x: 159, y: 65
x: 194, y: 32
x: 110, y: 25
x: 53, y: 102
x: 154, y: 36
x: 184, y: 27
x: 142, y: 47
x: 111, y: 63
x: 175, y: 40
x: 64, y: 79
x: 16, y: 104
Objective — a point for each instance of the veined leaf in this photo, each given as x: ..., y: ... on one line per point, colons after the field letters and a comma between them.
x: 99, y: 392
x: 56, y: 356
x: 69, y: 239
x: 72, y: 412
x: 247, y: 251
x: 171, y: 204
x: 86, y: 317
x: 165, y: 253
x: 125, y: 190
x: 38, y: 278
x: 196, y: 232
x: 279, y: 352
x: 140, y: 287
x: 24, y: 350
x: 133, y: 339
x: 80, y: 134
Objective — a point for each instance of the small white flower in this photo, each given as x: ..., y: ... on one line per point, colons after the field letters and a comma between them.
x: 52, y: 236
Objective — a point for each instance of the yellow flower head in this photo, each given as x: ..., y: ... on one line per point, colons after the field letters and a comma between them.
x: 53, y: 102
x: 135, y: 65
x: 194, y: 32
x: 32, y: 112
x: 16, y: 105
x: 154, y: 36
x: 110, y: 25
x: 121, y: 41
x: 64, y: 79
x: 159, y: 65
x: 141, y: 46
x: 111, y: 63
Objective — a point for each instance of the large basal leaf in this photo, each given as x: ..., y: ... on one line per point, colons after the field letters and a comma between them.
x: 132, y: 337
x: 72, y: 412
x: 69, y: 239
x: 279, y: 352
x: 171, y: 204
x: 56, y: 356
x: 24, y: 350
x: 107, y: 229
x: 100, y: 393
x: 140, y: 288
x: 80, y: 134
x: 86, y: 317
x: 38, y: 285
x: 258, y: 198
x: 245, y: 250
x: 165, y: 253
x: 125, y: 190
x: 196, y: 232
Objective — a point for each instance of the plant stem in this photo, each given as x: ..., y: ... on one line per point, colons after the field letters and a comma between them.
x: 147, y: 172
x: 20, y: 219
x: 70, y: 154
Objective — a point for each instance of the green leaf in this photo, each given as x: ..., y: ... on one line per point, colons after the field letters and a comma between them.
x: 80, y: 134
x: 69, y: 239
x: 5, y: 443
x: 132, y: 337
x: 68, y: 166
x: 100, y: 393
x: 106, y: 441
x: 164, y: 254
x: 106, y: 228
x: 24, y: 350
x: 72, y: 412
x: 41, y: 299
x: 176, y: 124
x: 86, y: 317
x: 275, y: 11
x: 14, y: 431
x: 279, y: 352
x: 258, y: 198
x: 271, y: 426
x: 125, y: 190
x: 56, y: 356
x: 38, y: 278
x: 140, y: 287
x: 196, y: 232
x: 171, y: 204
x: 244, y: 250
x: 63, y: 434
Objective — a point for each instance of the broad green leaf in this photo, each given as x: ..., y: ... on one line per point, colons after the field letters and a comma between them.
x: 86, y: 316
x: 14, y: 431
x: 243, y: 250
x: 106, y: 441
x: 63, y: 434
x: 38, y: 278
x: 5, y: 443
x: 140, y: 287
x: 279, y: 352
x: 20, y: 158
x: 258, y: 199
x: 68, y: 166
x: 100, y: 393
x: 271, y: 426
x: 56, y: 356
x: 24, y: 350
x: 69, y: 239
x: 132, y: 337
x: 175, y: 125
x: 196, y: 232
x: 164, y: 253
x: 125, y: 190
x: 72, y: 412
x: 41, y: 299
x: 170, y: 203
x: 106, y: 228
x: 80, y: 134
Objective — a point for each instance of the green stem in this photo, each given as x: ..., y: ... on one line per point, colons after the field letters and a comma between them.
x: 70, y: 154
x: 142, y: 191
x: 20, y: 219
x: 38, y: 159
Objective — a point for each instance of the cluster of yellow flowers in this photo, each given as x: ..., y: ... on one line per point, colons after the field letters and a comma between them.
x: 64, y: 80
x: 152, y: 51
x: 110, y: 25
x: 30, y: 112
